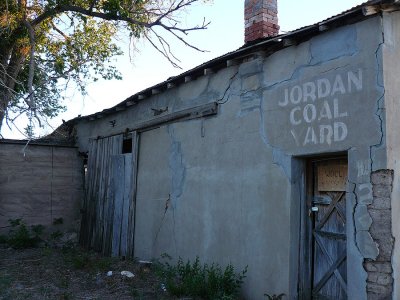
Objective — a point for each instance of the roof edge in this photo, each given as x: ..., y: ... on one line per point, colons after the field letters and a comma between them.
x: 261, y: 47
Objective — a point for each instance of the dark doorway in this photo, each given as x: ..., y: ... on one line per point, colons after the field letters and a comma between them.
x: 326, y: 228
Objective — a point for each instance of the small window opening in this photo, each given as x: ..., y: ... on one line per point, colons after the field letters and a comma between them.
x: 127, y: 146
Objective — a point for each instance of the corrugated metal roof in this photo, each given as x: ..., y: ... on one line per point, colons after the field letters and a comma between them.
x: 266, y: 45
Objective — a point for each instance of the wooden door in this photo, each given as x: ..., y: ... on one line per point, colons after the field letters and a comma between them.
x: 122, y: 204
x: 328, y: 217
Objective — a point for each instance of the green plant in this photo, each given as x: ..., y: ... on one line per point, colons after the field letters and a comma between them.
x: 274, y: 297
x: 58, y: 221
x: 56, y: 235
x: 47, y: 251
x: 197, y: 280
x: 102, y: 263
x: 79, y: 259
x: 65, y: 296
x: 3, y: 239
x: 37, y: 230
x: 5, y: 282
x: 19, y: 237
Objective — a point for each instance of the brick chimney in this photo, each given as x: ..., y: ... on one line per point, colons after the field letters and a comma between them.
x: 260, y: 19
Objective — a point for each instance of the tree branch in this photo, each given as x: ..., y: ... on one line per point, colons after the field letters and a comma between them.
x: 87, y: 12
x: 162, y: 53
x: 66, y: 37
x: 31, y: 63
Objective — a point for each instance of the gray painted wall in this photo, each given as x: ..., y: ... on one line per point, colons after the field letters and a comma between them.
x: 226, y: 188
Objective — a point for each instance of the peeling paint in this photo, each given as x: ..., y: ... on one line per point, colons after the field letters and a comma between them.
x: 176, y: 166
x: 338, y: 44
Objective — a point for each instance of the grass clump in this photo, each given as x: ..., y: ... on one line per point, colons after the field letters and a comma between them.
x: 196, y: 280
x: 5, y: 282
x: 80, y: 260
x: 20, y: 237
x: 274, y: 296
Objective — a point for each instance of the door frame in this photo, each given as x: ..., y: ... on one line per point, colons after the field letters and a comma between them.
x: 306, y: 247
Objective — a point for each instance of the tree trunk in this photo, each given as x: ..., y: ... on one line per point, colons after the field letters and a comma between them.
x: 4, y: 100
x: 9, y: 79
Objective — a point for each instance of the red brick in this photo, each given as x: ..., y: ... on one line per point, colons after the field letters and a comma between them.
x: 262, y: 22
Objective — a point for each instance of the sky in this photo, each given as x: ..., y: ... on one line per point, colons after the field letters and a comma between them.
x: 146, y: 67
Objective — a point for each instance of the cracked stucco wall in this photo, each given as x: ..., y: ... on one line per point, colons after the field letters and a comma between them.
x: 228, y: 187
x: 327, y: 95
x: 221, y: 174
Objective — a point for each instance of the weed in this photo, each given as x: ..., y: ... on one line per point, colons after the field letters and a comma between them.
x: 75, y: 258
x: 37, y: 230
x: 66, y: 296
x: 3, y: 239
x: 80, y: 261
x: 274, y: 297
x: 15, y: 222
x: 56, y: 235
x: 135, y: 293
x: 58, y: 221
x: 5, y: 282
x: 196, y: 280
x: 47, y: 251
x: 102, y: 263
x: 64, y: 282
x: 83, y: 260
x: 20, y: 237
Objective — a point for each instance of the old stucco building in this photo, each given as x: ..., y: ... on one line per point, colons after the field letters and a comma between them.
x: 282, y: 155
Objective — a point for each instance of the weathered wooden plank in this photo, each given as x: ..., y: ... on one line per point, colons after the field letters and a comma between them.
x: 127, y: 201
x: 86, y: 221
x: 118, y: 187
x: 103, y: 159
x: 132, y: 206
x: 91, y: 178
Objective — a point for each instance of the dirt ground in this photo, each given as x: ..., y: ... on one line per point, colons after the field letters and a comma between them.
x: 70, y: 273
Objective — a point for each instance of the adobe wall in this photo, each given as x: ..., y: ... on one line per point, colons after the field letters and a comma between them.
x: 39, y: 184
x: 380, y: 269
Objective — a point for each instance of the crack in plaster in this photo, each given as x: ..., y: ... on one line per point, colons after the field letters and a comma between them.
x: 249, y: 96
x: 353, y: 214
x: 162, y: 219
x: 335, y: 69
x: 354, y: 209
x: 297, y: 71
x: 231, y: 80
x: 279, y: 157
x: 379, y: 109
